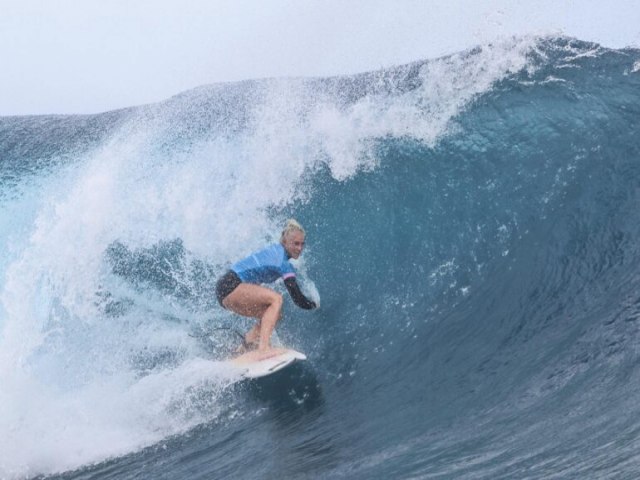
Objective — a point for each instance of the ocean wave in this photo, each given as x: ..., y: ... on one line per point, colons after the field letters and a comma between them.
x: 472, y: 229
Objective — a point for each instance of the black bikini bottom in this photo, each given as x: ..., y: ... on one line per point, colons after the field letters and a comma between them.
x: 227, y: 284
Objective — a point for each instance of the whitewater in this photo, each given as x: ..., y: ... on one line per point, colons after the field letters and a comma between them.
x: 472, y: 237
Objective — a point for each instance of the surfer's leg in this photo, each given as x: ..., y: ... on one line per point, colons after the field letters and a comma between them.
x: 258, y: 302
x: 252, y: 337
x: 268, y: 322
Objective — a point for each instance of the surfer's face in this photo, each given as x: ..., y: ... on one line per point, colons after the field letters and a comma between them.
x: 294, y: 243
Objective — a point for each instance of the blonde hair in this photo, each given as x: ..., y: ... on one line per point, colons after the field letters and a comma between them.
x: 291, y: 226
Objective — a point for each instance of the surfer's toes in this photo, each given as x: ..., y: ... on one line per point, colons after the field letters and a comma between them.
x: 246, y: 347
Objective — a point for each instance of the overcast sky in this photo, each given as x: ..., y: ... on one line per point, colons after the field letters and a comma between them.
x: 85, y: 56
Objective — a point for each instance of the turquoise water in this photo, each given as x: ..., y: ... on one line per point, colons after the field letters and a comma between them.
x: 472, y: 237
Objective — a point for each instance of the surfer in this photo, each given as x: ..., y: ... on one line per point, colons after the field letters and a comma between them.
x: 239, y: 289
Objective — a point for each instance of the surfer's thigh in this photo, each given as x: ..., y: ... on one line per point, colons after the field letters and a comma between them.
x: 251, y: 300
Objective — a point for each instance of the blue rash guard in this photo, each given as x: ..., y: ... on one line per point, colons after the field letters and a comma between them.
x: 265, y: 266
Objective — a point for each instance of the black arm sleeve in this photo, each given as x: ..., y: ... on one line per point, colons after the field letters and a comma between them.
x: 296, y: 294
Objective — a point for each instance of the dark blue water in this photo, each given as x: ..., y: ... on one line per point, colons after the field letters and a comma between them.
x: 473, y: 233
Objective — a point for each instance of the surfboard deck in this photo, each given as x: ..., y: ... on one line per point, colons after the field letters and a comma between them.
x: 261, y: 368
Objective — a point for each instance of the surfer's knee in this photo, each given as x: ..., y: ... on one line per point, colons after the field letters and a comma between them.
x: 273, y: 307
x: 276, y: 300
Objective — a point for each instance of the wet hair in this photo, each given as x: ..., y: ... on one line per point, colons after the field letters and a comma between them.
x: 291, y: 226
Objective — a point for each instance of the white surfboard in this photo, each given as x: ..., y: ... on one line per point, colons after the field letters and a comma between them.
x: 261, y: 368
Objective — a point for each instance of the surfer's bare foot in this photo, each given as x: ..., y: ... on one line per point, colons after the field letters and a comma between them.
x: 263, y: 354
x: 258, y: 355
x: 246, y: 347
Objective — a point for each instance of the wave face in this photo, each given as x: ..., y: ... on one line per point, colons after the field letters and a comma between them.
x: 473, y: 229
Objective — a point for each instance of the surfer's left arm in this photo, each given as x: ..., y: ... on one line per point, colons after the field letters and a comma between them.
x: 296, y: 294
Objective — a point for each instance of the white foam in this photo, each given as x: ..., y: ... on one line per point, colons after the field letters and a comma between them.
x: 51, y: 431
x: 424, y: 114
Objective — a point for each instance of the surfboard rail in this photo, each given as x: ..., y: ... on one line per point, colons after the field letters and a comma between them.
x: 268, y: 366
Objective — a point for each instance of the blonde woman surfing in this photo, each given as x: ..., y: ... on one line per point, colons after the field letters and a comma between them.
x: 239, y: 289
